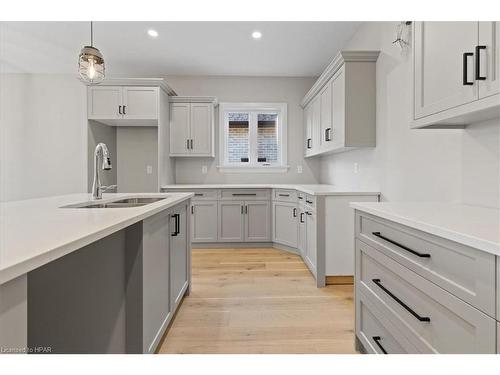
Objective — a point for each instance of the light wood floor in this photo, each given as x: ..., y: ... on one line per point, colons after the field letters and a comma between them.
x: 260, y: 301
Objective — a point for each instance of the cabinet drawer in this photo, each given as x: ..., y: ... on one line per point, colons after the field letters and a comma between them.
x: 285, y: 195
x: 376, y: 332
x: 246, y: 194
x: 467, y: 273
x: 199, y: 194
x: 434, y: 320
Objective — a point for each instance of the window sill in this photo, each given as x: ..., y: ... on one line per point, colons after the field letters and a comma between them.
x: 277, y: 169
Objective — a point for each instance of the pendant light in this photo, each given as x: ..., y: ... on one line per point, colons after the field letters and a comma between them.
x: 91, y: 62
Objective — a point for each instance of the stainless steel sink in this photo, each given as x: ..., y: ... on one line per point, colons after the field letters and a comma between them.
x: 118, y: 203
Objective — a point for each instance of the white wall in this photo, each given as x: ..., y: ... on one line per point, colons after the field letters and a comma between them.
x: 249, y: 89
x: 43, y: 136
x: 423, y: 165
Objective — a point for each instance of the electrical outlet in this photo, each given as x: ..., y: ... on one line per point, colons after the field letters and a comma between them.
x: 299, y: 168
x: 204, y: 169
x: 356, y: 168
x: 149, y: 169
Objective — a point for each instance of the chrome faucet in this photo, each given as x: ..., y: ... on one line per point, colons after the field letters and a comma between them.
x: 101, y: 153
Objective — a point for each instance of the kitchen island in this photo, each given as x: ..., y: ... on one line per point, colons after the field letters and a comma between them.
x: 91, y: 280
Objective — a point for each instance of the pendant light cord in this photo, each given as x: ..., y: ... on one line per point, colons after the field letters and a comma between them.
x: 91, y: 33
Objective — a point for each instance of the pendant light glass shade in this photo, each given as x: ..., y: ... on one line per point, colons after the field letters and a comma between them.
x: 91, y: 63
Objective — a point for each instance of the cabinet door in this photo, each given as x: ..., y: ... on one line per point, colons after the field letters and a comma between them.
x: 201, y: 128
x: 140, y: 103
x: 311, y: 239
x: 179, y: 128
x: 326, y: 116
x: 338, y: 109
x: 308, y: 129
x: 179, y: 256
x: 257, y: 221
x: 489, y: 66
x: 231, y: 216
x: 285, y: 223
x: 204, y: 221
x: 302, y: 240
x: 439, y: 65
x: 316, y: 124
x: 156, y: 279
x: 104, y: 102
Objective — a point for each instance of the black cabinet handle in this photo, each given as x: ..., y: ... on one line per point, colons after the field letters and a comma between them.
x: 300, y: 197
x: 124, y: 109
x: 308, y: 213
x: 377, y: 341
x: 328, y: 134
x: 176, y: 223
x: 191, y: 144
x: 244, y: 194
x: 406, y: 307
x: 246, y: 209
x: 466, y: 56
x: 309, y: 143
x: 187, y: 144
x: 302, y: 217
x: 120, y: 110
x: 294, y: 212
x: 192, y: 210
x: 421, y: 255
x: 309, y: 202
x: 198, y: 194
x: 242, y: 209
x: 478, y: 63
x: 284, y: 195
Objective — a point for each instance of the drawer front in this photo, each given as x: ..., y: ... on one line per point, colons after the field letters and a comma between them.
x: 285, y: 195
x: 199, y: 194
x: 245, y: 194
x: 376, y: 332
x: 434, y: 320
x: 465, y: 272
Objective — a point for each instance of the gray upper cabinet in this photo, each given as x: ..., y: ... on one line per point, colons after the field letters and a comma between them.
x: 285, y: 223
x: 179, y: 254
x: 123, y: 105
x: 467, y: 90
x: 340, y: 107
x: 204, y: 221
x: 192, y: 126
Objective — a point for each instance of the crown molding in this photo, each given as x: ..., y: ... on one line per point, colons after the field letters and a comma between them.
x: 193, y: 99
x: 145, y: 82
x: 339, y: 60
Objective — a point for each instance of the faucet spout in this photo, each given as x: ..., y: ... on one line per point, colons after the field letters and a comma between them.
x: 101, y: 155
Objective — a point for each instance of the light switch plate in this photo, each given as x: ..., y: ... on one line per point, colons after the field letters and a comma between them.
x: 204, y: 169
x: 149, y: 169
x: 299, y: 168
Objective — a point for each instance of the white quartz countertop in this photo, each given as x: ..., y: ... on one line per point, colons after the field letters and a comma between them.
x: 35, y: 232
x: 318, y: 189
x: 473, y: 226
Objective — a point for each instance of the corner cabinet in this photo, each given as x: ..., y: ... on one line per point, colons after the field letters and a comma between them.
x: 192, y: 126
x: 468, y: 89
x: 339, y: 110
x: 123, y: 105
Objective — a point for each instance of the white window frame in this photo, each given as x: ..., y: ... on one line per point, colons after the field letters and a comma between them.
x: 253, y: 167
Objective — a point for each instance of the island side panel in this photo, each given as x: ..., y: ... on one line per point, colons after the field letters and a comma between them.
x: 76, y: 304
x: 14, y: 316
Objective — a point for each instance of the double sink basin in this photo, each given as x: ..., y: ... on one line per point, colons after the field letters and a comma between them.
x: 118, y: 203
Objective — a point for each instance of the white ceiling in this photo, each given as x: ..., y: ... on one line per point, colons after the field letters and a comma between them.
x: 182, y: 48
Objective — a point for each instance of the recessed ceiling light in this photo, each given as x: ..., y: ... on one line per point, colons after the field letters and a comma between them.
x: 152, y: 33
x: 256, y: 35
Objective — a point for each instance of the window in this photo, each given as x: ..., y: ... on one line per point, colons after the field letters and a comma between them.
x: 252, y: 137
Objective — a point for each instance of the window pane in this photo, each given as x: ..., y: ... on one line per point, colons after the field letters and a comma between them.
x: 238, y: 137
x: 267, y: 138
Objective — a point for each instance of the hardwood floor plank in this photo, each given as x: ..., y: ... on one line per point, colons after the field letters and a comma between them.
x: 260, y: 301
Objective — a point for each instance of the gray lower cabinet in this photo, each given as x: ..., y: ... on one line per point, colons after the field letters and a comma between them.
x: 285, y: 223
x: 156, y: 301
x: 204, y: 221
x: 244, y: 221
x: 498, y: 337
x: 257, y: 221
x: 179, y: 254
x: 311, y: 240
x: 231, y: 221
x: 302, y: 240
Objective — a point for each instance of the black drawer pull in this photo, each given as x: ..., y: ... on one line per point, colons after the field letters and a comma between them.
x: 198, y: 194
x: 244, y: 194
x: 466, y: 56
x: 308, y: 201
x: 377, y: 341
x: 309, y: 143
x: 176, y: 218
x: 308, y: 213
x: 421, y: 255
x: 407, y: 308
x: 328, y: 134
x: 300, y: 198
x: 284, y: 195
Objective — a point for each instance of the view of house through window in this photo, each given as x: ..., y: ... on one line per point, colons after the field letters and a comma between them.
x: 253, y: 135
